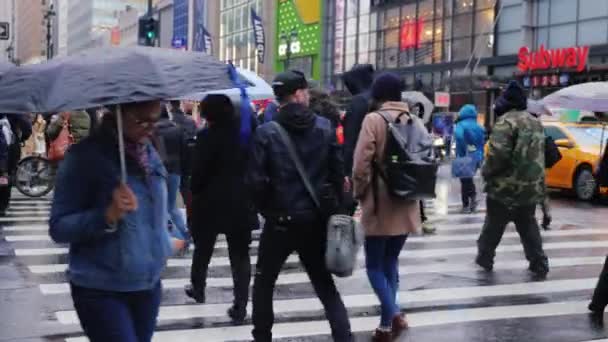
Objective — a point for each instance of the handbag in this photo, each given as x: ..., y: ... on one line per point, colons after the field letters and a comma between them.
x: 60, y: 145
x: 344, y: 234
x: 464, y: 167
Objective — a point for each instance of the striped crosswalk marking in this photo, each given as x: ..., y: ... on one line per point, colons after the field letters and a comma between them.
x: 447, y: 254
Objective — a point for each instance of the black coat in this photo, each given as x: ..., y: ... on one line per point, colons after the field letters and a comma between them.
x: 278, y: 190
x: 172, y: 146
x: 220, y: 199
x: 358, y: 81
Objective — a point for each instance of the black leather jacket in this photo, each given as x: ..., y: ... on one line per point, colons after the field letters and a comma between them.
x: 278, y: 190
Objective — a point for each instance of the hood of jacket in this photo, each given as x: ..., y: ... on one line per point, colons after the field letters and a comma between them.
x: 513, y: 99
x: 296, y: 117
x: 359, y: 79
x: 467, y: 112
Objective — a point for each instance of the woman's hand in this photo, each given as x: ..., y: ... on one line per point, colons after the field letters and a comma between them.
x: 124, y: 201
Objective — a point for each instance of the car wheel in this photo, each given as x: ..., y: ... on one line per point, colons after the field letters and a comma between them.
x: 585, y: 185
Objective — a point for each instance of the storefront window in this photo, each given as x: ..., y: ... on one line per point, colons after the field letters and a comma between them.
x: 563, y: 11
x: 464, y: 6
x: 511, y: 19
x: 392, y: 18
x: 392, y: 39
x: 351, y: 9
x: 484, y: 4
x: 364, y: 7
x: 364, y: 23
x: 425, y: 10
x: 461, y: 49
x: 592, y: 9
x: 484, y: 21
x: 408, y: 12
x: 562, y: 36
x: 463, y: 25
x: 594, y: 32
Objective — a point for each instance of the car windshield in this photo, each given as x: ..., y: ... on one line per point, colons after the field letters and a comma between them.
x: 588, y: 136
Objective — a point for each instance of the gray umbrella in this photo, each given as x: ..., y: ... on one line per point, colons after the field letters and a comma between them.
x: 109, y: 76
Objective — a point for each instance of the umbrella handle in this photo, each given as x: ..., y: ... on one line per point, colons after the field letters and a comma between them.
x: 121, y: 145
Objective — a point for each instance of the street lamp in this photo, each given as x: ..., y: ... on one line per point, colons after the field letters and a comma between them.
x: 289, y: 40
x: 50, y: 13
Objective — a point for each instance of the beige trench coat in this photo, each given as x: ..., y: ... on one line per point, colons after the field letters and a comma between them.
x: 392, y: 217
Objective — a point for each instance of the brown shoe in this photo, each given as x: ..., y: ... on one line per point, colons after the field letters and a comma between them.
x: 382, y: 336
x: 399, y: 325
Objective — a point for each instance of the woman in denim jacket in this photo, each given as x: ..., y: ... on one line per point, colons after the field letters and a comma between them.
x: 117, y: 232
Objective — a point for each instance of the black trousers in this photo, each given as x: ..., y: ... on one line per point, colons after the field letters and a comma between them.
x: 240, y: 263
x: 497, y: 217
x: 600, y: 295
x: 468, y: 191
x: 14, y: 155
x: 276, y: 244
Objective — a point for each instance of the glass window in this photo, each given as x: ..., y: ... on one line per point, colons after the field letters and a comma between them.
x: 542, y: 37
x: 508, y: 43
x: 364, y: 23
x: 408, y: 12
x: 246, y: 17
x: 438, y: 51
x: 463, y: 25
x: 461, y: 49
x: 484, y: 21
x: 447, y: 28
x: 543, y: 12
x: 392, y: 18
x: 351, y: 26
x: 363, y: 43
x: 448, y: 8
x: 349, y: 61
x: 392, y: 56
x: 364, y: 7
x: 483, y: 4
x: 351, y: 45
x: 351, y: 9
x: 511, y: 2
x: 562, y: 36
x: 438, y: 9
x: 594, y: 32
x: 555, y: 133
x: 392, y: 39
x: 485, y: 44
x: 511, y: 19
x: 463, y: 6
x: 424, y: 55
x: 592, y: 9
x: 563, y: 11
x: 425, y: 10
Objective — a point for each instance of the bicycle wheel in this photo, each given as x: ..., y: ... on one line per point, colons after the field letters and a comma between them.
x: 34, y: 177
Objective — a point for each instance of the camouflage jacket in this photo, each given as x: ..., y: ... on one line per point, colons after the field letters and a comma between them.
x: 514, y: 170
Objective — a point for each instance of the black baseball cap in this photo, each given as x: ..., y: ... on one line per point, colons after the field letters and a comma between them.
x: 287, y: 83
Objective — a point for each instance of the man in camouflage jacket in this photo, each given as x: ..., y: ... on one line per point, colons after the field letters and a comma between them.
x: 514, y: 172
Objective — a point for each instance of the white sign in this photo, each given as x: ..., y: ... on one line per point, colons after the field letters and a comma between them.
x: 442, y: 99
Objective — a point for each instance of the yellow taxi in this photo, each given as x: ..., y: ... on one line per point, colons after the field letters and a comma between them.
x: 580, y: 145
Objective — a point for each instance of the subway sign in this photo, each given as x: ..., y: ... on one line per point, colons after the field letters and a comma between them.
x: 546, y: 59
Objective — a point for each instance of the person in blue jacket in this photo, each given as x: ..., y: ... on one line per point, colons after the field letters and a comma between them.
x: 118, y: 236
x: 470, y: 138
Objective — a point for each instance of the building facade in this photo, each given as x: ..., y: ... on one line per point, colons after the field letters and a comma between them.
x: 30, y: 29
x: 163, y: 10
x: 91, y: 22
x: 7, y: 15
x: 128, y: 26
x: 181, y: 20
x: 469, y: 48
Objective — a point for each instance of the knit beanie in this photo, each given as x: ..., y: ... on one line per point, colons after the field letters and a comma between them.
x: 387, y: 87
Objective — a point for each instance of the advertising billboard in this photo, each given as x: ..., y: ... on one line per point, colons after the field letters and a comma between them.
x: 299, y: 32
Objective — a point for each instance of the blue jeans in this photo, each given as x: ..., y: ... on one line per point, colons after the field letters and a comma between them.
x: 180, y: 230
x: 382, y: 264
x: 117, y: 316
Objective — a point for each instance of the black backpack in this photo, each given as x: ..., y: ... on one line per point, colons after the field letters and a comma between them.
x: 408, y: 168
x: 552, y: 153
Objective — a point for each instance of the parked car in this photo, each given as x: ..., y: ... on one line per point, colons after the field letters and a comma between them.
x: 580, y: 145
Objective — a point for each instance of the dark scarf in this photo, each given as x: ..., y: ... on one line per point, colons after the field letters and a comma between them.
x: 296, y: 117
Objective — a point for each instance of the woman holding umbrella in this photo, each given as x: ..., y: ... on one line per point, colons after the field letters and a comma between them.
x: 117, y: 230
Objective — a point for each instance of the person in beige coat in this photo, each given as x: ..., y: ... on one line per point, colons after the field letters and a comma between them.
x: 387, y: 221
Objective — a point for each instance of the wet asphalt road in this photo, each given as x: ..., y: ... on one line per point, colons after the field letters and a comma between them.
x: 446, y: 297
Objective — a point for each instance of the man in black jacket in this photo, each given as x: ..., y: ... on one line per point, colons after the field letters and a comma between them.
x: 359, y: 82
x: 293, y: 222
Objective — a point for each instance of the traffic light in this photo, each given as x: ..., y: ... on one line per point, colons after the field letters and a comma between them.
x: 148, y: 31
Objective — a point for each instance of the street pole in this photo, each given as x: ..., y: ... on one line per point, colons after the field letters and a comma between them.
x: 48, y: 15
x: 149, y: 8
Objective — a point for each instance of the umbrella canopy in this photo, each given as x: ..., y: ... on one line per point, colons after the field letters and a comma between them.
x: 109, y: 76
x: 416, y: 97
x: 592, y: 96
x: 4, y: 67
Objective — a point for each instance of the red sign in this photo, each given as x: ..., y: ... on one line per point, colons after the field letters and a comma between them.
x: 442, y: 99
x: 411, y: 34
x: 543, y: 59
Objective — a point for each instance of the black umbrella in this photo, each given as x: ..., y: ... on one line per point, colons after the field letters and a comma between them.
x: 4, y: 67
x: 109, y: 76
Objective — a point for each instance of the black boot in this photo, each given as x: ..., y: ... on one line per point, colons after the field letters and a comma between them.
x: 194, y: 293
x: 473, y: 204
x: 546, y: 222
x: 539, y: 268
x: 237, y: 314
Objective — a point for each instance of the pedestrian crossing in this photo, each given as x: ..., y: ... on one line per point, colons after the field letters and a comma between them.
x: 441, y: 289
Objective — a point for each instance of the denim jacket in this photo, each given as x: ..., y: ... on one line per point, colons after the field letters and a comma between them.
x: 129, y: 258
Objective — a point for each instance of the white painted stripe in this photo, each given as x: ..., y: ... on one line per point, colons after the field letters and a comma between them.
x: 28, y: 228
x: 300, y: 277
x: 19, y: 238
x: 40, y: 251
x: 24, y: 219
x: 364, y: 324
x: 176, y: 312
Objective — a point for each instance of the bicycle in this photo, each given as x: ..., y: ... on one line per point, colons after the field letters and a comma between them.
x: 35, y: 176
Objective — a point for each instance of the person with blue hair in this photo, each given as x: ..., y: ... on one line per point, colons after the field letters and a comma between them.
x: 470, y: 138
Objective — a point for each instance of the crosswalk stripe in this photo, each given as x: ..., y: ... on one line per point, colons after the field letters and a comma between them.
x: 24, y: 219
x: 302, y: 278
x: 176, y: 312
x: 425, y: 239
x: 364, y: 324
x: 417, y: 253
x: 28, y: 228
